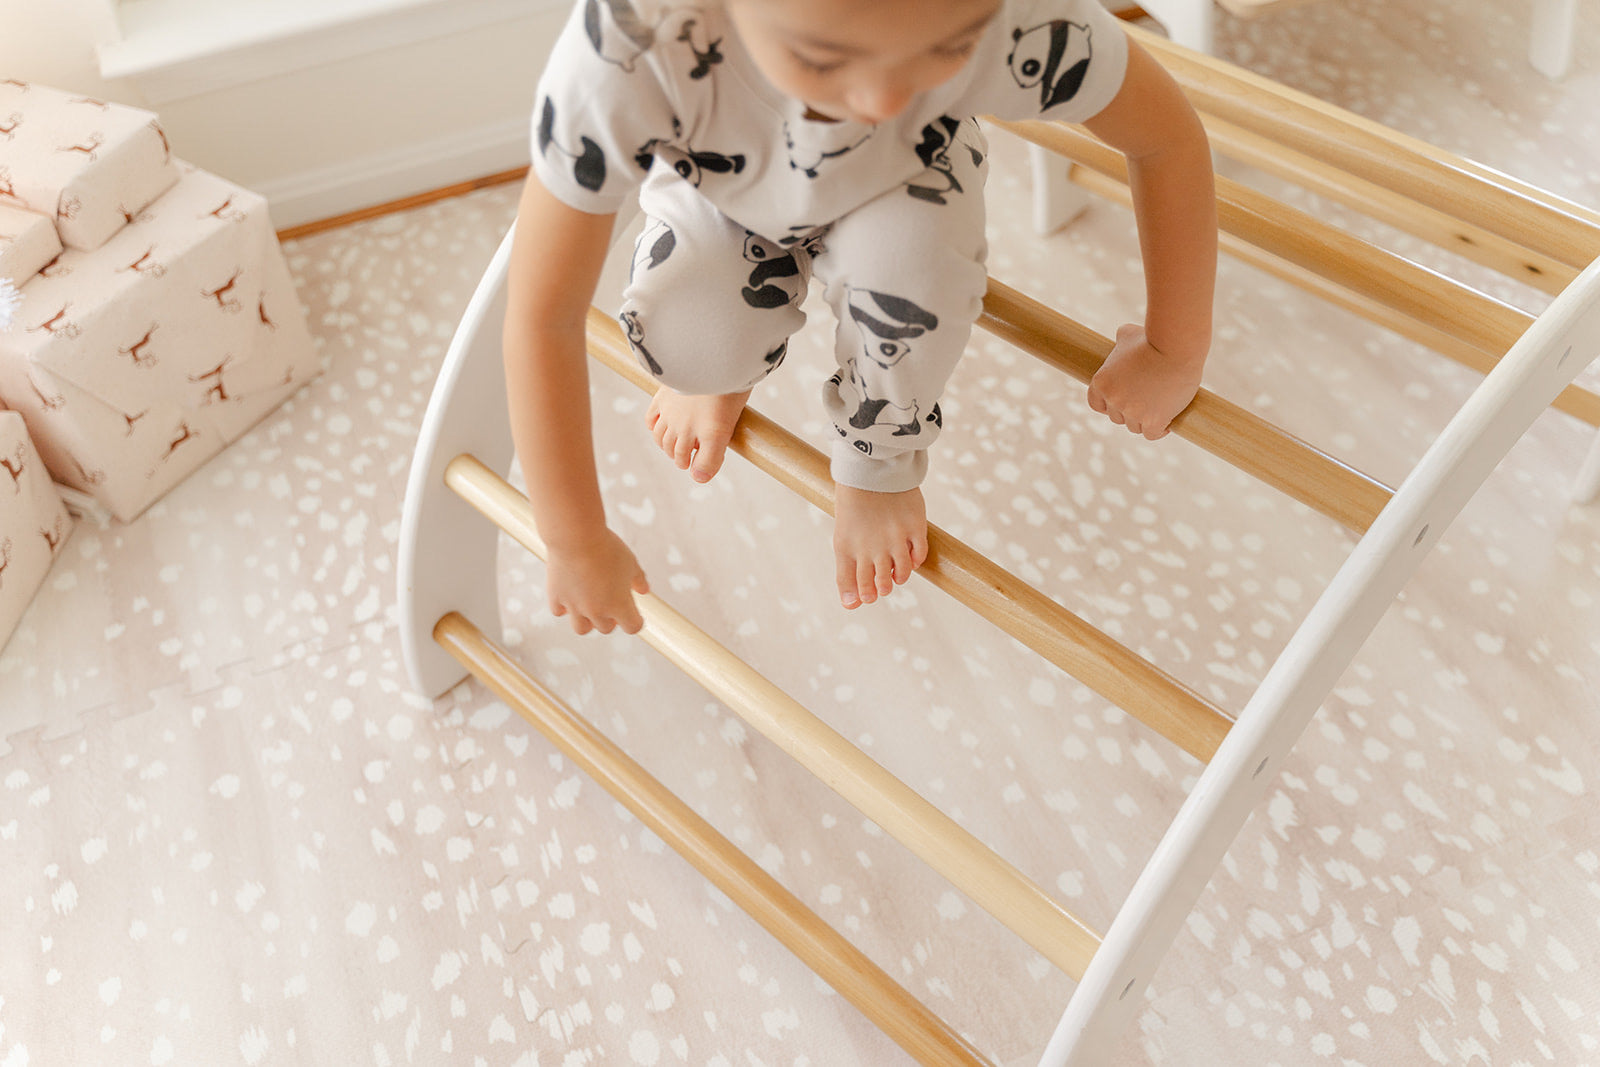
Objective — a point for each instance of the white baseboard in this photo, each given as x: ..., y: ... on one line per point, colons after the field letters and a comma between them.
x: 375, y: 179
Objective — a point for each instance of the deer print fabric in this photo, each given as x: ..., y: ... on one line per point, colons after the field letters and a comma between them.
x: 33, y: 521
x: 89, y: 165
x: 138, y: 361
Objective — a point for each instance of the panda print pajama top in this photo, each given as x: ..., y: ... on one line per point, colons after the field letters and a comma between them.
x: 746, y: 200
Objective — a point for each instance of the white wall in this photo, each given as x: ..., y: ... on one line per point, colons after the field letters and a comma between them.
x: 53, y: 42
x: 342, y: 133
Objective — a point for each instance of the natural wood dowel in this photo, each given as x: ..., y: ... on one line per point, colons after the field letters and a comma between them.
x: 877, y: 996
x: 1466, y: 239
x: 1120, y: 675
x: 939, y: 841
x: 1360, y: 266
x: 1224, y: 429
x: 1509, y: 208
x: 1575, y: 400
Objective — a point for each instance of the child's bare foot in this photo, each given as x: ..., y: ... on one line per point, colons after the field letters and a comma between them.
x: 695, y: 430
x: 878, y: 540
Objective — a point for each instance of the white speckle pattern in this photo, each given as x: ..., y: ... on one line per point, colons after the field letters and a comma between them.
x: 226, y: 824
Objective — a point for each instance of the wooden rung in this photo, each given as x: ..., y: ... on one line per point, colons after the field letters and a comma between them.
x: 1510, y: 208
x: 1222, y: 428
x: 877, y: 996
x: 1295, y: 236
x: 1575, y: 400
x: 1467, y: 240
x: 1126, y: 679
x: 939, y: 841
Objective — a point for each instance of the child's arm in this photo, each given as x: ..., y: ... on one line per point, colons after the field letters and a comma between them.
x: 1154, y: 371
x: 556, y: 257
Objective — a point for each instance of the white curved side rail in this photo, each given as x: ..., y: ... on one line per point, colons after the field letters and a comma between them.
x: 1559, y: 344
x: 447, y: 551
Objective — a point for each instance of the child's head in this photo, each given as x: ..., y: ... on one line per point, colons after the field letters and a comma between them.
x: 859, y: 60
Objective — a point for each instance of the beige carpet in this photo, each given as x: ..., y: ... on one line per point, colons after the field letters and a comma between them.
x: 229, y: 834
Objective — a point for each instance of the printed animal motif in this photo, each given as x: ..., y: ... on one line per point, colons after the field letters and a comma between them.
x: 49, y: 403
x: 9, y: 126
x: 938, y: 138
x: 1054, y: 57
x: 261, y: 310
x: 810, y: 162
x: 58, y: 325
x: 617, y: 33
x: 691, y: 163
x: 166, y: 149
x: 887, y: 323
x: 186, y: 435
x: 588, y: 163
x: 54, y: 535
x: 15, y: 468
x: 227, y: 212
x: 131, y: 419
x: 222, y: 295
x: 635, y: 331
x: 775, y: 281
x: 705, y: 57
x: 5, y: 560
x: 654, y: 246
x: 145, y: 265
x: 91, y: 148
x: 217, y: 390
x: 136, y: 350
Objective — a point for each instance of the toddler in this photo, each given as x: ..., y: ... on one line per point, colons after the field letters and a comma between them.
x: 773, y: 141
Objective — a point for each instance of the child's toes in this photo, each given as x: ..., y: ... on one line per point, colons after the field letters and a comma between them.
x: 708, y: 460
x: 845, y: 579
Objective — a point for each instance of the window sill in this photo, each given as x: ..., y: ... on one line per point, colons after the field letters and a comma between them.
x: 176, y: 49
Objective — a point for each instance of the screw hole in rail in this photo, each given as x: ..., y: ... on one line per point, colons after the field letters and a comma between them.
x: 1420, y: 535
x: 1261, y: 766
x: 1127, y: 989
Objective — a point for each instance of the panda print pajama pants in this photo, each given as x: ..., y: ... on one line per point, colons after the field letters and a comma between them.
x: 710, y: 306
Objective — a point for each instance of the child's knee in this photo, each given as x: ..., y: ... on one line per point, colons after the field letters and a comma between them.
x: 693, y: 360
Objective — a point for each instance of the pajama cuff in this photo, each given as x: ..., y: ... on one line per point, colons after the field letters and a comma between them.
x: 889, y: 474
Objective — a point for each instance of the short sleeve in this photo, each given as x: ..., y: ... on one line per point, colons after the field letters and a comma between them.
x: 602, y: 107
x: 1063, y: 59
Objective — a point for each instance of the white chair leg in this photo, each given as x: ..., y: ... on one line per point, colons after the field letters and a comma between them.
x: 1586, y: 487
x: 447, y: 550
x: 1550, y: 41
x: 1057, y: 200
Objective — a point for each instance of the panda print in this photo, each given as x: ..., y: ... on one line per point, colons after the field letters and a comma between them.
x: 619, y: 36
x: 775, y: 281
x: 588, y: 162
x: 635, y: 331
x: 691, y: 164
x: 938, y: 138
x: 1053, y: 58
x: 617, y: 33
x: 873, y: 411
x: 809, y: 161
x: 887, y: 323
x: 707, y: 54
x: 655, y: 245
